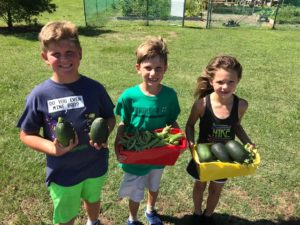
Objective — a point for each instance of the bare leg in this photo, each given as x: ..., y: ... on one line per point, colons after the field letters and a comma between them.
x: 152, y: 197
x: 199, y: 188
x: 133, y: 209
x: 92, y: 210
x: 214, y: 193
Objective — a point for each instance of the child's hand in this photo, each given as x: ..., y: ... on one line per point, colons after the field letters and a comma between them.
x: 119, y: 156
x: 251, y: 146
x: 191, y: 145
x: 97, y: 146
x: 59, y: 150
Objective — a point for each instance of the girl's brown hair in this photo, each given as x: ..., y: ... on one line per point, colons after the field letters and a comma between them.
x: 225, y: 62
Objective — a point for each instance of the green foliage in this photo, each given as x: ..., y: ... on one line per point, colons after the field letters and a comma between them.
x: 194, y: 8
x: 289, y: 15
x: 156, y: 9
x: 13, y: 11
x: 267, y: 12
x: 292, y: 2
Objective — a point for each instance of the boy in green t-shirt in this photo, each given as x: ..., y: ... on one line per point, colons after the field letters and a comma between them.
x: 147, y: 106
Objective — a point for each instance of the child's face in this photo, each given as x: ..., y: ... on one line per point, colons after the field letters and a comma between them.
x: 152, y: 71
x: 224, y: 82
x: 64, y: 59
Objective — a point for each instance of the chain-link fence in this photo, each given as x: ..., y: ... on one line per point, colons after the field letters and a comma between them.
x: 146, y: 12
x: 252, y: 13
x: 194, y: 13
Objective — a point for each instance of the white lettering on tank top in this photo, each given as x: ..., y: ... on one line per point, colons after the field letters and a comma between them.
x: 63, y: 104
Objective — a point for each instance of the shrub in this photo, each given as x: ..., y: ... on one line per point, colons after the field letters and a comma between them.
x: 157, y: 9
x: 289, y: 15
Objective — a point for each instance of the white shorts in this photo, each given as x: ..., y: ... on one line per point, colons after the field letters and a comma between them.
x: 133, y: 186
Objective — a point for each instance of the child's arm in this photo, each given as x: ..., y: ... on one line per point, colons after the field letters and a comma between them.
x: 120, y: 134
x: 111, y: 122
x: 40, y: 144
x: 196, y: 112
x: 240, y: 132
x: 175, y: 125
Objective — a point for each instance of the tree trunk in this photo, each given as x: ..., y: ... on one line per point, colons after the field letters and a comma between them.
x: 9, y: 19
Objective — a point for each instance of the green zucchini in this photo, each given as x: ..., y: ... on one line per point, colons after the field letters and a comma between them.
x: 219, y: 151
x: 237, y: 151
x: 204, y: 153
x: 99, y: 131
x: 64, y: 132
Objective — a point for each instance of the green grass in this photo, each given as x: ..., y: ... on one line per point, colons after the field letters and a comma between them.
x: 270, y: 84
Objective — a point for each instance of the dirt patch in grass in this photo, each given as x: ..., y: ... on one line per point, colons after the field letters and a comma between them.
x: 283, y: 206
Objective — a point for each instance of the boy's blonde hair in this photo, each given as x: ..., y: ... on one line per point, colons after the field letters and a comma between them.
x: 151, y: 48
x: 58, y: 30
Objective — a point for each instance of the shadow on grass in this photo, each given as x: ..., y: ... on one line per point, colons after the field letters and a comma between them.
x: 225, y: 219
x: 31, y: 32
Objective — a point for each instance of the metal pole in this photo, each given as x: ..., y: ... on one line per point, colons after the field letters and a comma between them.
x: 208, y: 18
x: 147, y: 13
x: 183, y: 18
x: 276, y: 12
x: 84, y: 13
x: 97, y: 7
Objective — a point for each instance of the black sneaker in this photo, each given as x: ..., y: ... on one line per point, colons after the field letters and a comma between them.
x: 197, y: 219
x: 208, y: 220
x: 98, y: 222
x: 133, y: 222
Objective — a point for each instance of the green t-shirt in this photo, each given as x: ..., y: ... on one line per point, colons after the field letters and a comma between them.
x: 139, y: 111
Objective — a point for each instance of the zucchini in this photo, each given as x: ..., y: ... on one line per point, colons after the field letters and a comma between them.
x: 64, y: 132
x: 99, y: 131
x: 204, y: 153
x: 237, y: 151
x: 219, y: 151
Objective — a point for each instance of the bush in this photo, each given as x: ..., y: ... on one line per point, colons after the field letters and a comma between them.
x: 292, y: 2
x: 288, y: 15
x: 156, y: 9
x: 194, y: 8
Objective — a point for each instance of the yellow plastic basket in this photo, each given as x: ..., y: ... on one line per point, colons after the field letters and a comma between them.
x: 219, y: 170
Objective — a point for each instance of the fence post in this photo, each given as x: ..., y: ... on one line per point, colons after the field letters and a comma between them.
x: 97, y: 8
x: 276, y: 12
x: 183, y: 18
x: 147, y: 13
x: 208, y: 18
x: 84, y: 13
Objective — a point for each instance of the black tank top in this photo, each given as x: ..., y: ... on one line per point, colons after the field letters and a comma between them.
x: 213, y: 129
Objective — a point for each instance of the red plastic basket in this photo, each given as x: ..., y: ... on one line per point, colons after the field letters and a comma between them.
x: 164, y: 155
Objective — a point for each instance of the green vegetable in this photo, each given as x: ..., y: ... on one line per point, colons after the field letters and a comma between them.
x: 64, y: 132
x: 237, y: 152
x: 204, y: 153
x: 141, y: 140
x: 99, y: 131
x: 220, y: 152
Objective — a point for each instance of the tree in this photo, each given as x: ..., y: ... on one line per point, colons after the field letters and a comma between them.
x: 15, y: 11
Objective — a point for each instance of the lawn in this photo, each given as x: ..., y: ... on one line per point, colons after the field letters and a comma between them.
x: 270, y: 83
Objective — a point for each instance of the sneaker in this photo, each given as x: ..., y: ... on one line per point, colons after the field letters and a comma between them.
x: 153, y: 218
x: 98, y: 222
x: 133, y: 222
x: 197, y: 219
x: 208, y: 220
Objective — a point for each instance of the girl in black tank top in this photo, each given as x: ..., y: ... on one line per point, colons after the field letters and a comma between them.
x: 215, y: 129
x: 220, y: 112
